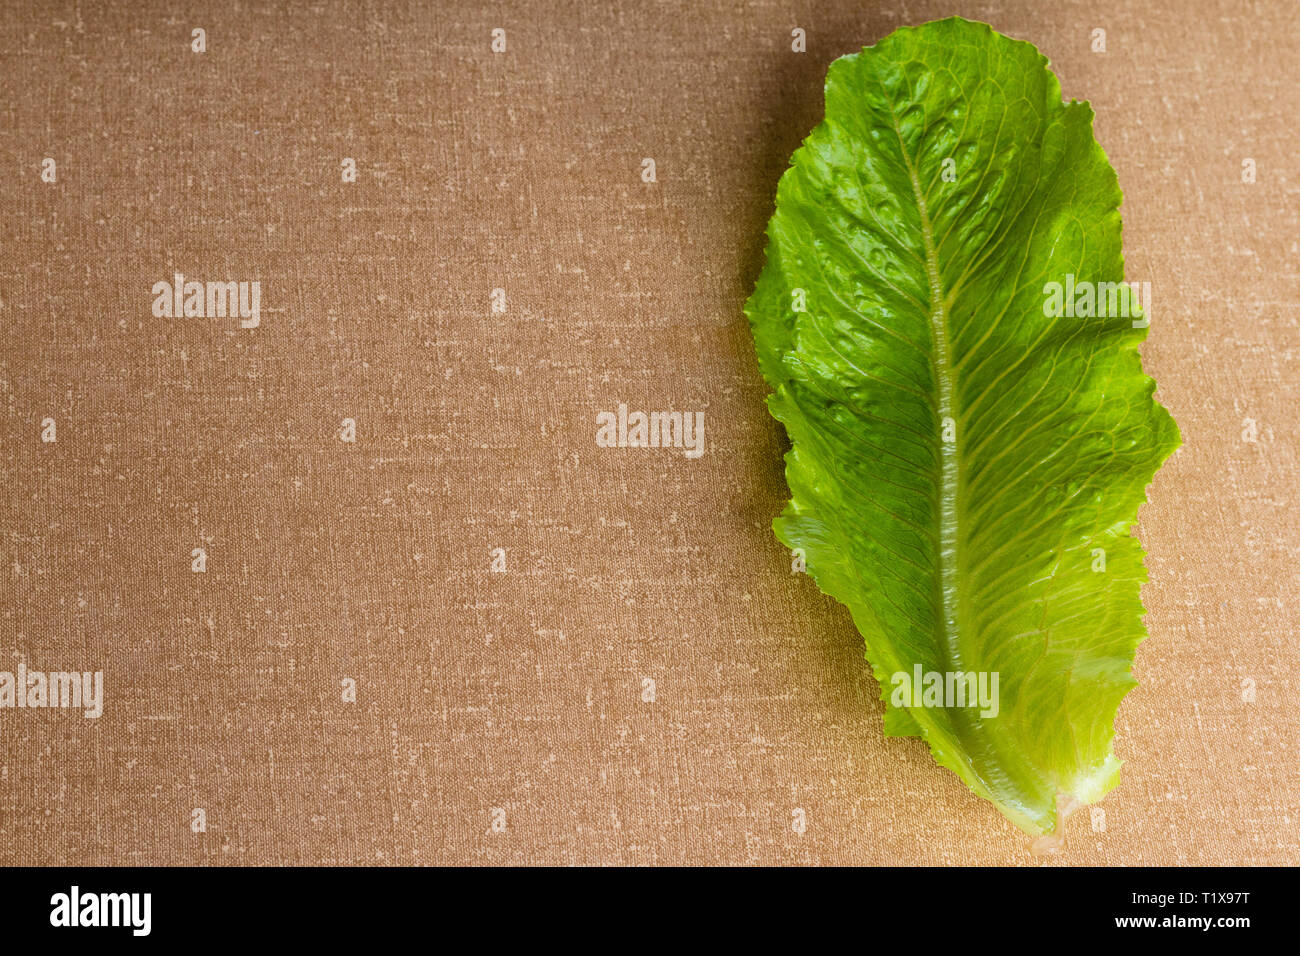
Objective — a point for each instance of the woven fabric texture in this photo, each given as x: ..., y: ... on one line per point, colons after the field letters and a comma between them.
x: 646, y: 682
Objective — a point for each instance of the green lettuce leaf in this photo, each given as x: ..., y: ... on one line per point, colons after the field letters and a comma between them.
x: 968, y: 451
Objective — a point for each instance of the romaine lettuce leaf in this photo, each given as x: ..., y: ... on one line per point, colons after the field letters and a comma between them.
x: 970, y: 444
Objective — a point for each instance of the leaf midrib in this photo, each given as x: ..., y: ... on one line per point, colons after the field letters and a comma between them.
x: 941, y: 363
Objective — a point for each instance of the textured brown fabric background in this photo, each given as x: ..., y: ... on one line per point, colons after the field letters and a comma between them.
x: 523, y: 690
